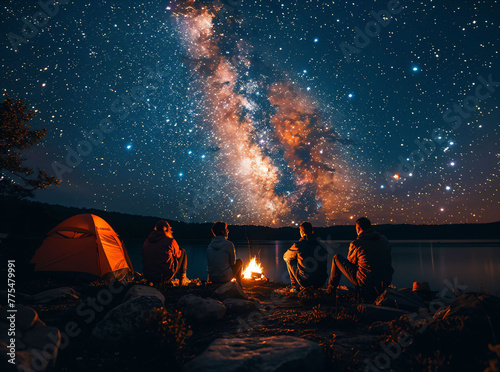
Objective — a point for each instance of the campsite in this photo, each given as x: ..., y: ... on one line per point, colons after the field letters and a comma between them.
x: 240, y: 186
x: 84, y: 307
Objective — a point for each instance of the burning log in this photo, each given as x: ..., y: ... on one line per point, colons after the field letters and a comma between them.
x: 253, y: 272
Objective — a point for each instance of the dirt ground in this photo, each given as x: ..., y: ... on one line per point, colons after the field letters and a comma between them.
x: 346, y: 338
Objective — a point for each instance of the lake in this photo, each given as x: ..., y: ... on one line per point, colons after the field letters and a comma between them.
x: 475, y: 264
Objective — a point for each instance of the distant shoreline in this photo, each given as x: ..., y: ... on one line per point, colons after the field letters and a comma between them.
x: 26, y: 220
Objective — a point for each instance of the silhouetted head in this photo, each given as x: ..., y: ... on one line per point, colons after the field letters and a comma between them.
x: 220, y: 229
x: 163, y: 225
x: 363, y: 224
x: 306, y: 229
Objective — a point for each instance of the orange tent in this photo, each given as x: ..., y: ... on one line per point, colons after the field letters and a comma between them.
x: 83, y: 243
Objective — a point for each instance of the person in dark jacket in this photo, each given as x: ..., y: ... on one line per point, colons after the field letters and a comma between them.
x: 306, y: 260
x: 222, y: 265
x: 368, y: 265
x: 161, y: 257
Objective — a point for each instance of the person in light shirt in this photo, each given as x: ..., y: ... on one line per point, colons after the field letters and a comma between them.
x: 222, y: 265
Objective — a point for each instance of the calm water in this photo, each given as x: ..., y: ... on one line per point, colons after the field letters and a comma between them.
x: 474, y: 264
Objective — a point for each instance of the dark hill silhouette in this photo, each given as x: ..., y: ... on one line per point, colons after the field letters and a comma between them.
x: 29, y: 219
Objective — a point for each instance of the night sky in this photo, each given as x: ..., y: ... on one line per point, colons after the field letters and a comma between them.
x: 263, y: 112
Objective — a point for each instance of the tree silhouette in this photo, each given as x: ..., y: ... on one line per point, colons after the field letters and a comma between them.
x: 15, y: 137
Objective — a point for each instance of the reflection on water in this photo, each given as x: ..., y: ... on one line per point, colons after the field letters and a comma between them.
x: 476, y: 265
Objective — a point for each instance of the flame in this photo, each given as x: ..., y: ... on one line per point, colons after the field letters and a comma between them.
x: 253, y: 267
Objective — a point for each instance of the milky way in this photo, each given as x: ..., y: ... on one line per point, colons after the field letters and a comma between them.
x: 321, y: 187
x: 248, y: 170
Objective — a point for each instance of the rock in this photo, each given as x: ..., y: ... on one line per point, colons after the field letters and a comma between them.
x: 36, y: 345
x: 380, y: 313
x: 276, y: 353
x: 143, y: 290
x: 464, y: 328
x: 24, y: 361
x: 5, y: 337
x: 379, y: 328
x: 405, y: 300
x: 125, y: 322
x: 470, y: 305
x: 55, y: 294
x: 201, y: 310
x: 41, y: 337
x: 39, y: 323
x: 231, y: 290
x: 25, y: 316
x: 479, y: 314
x: 239, y: 305
x: 20, y: 345
x: 32, y: 360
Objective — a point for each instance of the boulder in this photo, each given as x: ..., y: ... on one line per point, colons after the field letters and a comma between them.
x: 462, y: 330
x: 201, y: 310
x: 25, y: 316
x: 25, y: 361
x: 470, y: 305
x: 380, y: 313
x: 55, y: 294
x: 269, y: 354
x: 125, y: 322
x: 39, y: 323
x: 41, y: 337
x: 36, y: 345
x: 4, y: 330
x: 35, y: 360
x: 22, y: 359
x: 405, y: 300
x: 231, y: 290
x: 143, y: 291
x: 239, y: 305
x: 5, y: 337
x: 479, y: 314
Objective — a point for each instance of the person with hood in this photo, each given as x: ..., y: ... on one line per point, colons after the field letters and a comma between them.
x: 306, y: 260
x: 222, y: 265
x: 161, y: 257
x: 368, y: 265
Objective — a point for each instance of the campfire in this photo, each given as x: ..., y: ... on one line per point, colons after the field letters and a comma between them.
x: 253, y: 272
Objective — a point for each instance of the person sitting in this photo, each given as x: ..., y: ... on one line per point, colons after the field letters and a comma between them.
x: 306, y: 260
x: 222, y: 265
x: 161, y: 257
x: 368, y: 265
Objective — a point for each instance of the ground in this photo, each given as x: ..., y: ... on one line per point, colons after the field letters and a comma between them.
x: 346, y: 338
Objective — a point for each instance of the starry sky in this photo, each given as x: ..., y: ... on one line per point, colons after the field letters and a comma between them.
x: 263, y: 112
